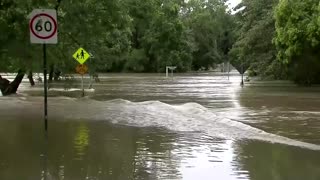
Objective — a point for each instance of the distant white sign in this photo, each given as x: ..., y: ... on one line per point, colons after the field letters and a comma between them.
x: 43, y: 26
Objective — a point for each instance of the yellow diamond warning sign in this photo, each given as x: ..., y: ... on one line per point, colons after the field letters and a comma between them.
x: 81, y: 55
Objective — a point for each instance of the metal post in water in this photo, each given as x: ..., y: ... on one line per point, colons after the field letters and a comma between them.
x: 242, y: 82
x: 82, y: 85
x: 167, y: 69
x: 228, y: 70
x: 223, y: 67
x: 45, y: 88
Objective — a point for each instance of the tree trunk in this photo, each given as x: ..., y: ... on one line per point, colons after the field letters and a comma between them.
x: 30, y: 77
x: 4, y: 83
x: 57, y: 74
x: 242, y: 82
x: 8, y: 88
x: 51, y: 72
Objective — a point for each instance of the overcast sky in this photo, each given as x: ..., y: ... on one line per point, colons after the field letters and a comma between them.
x: 233, y: 3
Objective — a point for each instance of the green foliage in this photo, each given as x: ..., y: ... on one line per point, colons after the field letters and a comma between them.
x: 298, y: 39
x: 278, y: 40
x: 211, y: 27
x: 255, y: 31
x: 159, y: 30
x: 128, y: 35
x: 273, y: 39
x: 135, y: 61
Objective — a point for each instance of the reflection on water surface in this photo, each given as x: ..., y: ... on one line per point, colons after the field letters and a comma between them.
x: 150, y: 140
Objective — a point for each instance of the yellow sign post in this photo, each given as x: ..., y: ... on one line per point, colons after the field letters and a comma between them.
x: 81, y: 55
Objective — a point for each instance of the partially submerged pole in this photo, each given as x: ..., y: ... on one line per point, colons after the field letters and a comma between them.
x: 242, y: 82
x: 45, y: 88
x: 228, y: 70
x: 82, y: 87
x: 167, y: 69
x: 172, y: 68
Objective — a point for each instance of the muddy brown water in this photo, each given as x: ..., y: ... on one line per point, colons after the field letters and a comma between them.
x: 146, y: 126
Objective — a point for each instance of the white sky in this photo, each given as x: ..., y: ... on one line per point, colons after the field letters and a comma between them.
x: 233, y: 3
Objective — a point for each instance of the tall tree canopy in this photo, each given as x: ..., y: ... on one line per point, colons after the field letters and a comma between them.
x: 276, y: 39
x: 126, y: 35
x: 298, y: 38
x: 255, y: 31
x: 210, y: 26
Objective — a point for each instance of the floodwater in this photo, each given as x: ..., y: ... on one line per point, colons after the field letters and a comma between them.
x: 145, y: 126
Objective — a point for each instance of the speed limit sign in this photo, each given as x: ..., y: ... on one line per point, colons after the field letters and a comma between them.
x: 43, y: 26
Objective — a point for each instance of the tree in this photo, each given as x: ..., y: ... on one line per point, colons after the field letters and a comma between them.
x: 79, y: 26
x: 298, y: 39
x: 254, y: 48
x: 159, y: 32
x: 210, y: 25
x: 8, y: 88
x: 127, y: 35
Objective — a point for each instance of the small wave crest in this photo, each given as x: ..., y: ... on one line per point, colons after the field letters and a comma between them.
x: 184, y: 117
x: 195, y: 117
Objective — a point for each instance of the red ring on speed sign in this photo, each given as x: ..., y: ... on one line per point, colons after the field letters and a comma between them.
x: 54, y: 24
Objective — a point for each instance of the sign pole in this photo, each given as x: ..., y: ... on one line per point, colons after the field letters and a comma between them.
x: 82, y: 85
x: 45, y: 88
x: 228, y: 70
x: 81, y: 56
x: 43, y: 28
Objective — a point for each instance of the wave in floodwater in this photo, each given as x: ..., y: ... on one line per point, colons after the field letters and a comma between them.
x: 185, y: 117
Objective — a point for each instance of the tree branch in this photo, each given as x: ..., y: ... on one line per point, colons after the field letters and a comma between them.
x: 58, y: 5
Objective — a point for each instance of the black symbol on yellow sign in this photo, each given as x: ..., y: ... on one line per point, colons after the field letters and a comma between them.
x: 81, y: 55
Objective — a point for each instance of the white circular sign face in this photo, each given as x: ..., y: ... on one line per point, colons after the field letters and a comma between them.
x: 43, y: 26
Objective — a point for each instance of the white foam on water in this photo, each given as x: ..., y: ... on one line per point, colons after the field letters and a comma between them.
x: 185, y: 117
x: 59, y: 89
x: 71, y: 89
x: 191, y: 117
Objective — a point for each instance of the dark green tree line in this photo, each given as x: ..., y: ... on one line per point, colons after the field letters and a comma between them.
x: 254, y: 31
x: 128, y: 35
x: 298, y: 39
x: 273, y: 39
x: 278, y: 39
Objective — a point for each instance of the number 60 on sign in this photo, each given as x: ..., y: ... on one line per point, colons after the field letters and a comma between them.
x: 43, y: 26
